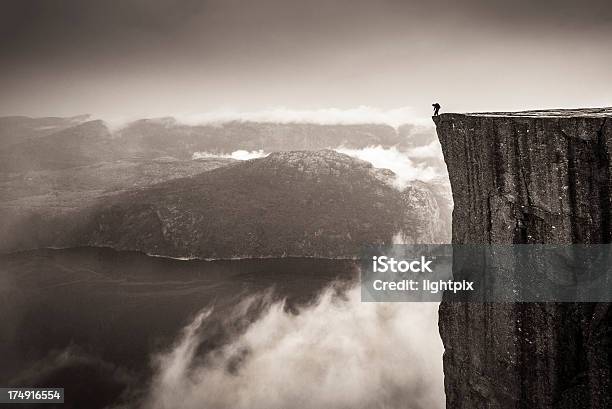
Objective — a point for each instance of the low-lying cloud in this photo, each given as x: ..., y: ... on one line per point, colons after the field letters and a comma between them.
x: 432, y: 150
x: 401, y: 163
x: 324, y: 116
x: 405, y: 169
x: 238, y: 155
x: 337, y: 353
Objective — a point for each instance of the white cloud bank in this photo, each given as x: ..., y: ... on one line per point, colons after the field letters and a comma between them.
x: 338, y: 353
x: 432, y: 150
x: 325, y: 116
x: 239, y: 155
x: 399, y: 162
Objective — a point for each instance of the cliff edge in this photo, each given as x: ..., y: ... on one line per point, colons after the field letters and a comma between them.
x: 528, y: 177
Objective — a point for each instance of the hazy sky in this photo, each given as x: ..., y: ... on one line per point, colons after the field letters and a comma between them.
x: 162, y: 57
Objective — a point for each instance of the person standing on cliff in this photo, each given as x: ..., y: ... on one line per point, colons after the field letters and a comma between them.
x: 436, y: 108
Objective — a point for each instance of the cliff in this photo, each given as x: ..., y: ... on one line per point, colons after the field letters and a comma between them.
x: 528, y: 177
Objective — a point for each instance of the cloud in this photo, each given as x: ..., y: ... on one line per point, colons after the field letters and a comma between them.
x: 432, y: 150
x: 336, y: 353
x: 405, y: 169
x: 402, y: 163
x: 325, y: 116
x: 238, y: 155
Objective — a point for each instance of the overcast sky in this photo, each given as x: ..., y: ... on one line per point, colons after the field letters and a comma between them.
x: 162, y: 57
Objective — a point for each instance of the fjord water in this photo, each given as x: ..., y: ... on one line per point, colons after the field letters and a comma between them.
x: 110, y: 310
x: 123, y: 328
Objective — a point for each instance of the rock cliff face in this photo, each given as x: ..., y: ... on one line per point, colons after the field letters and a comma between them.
x: 528, y: 177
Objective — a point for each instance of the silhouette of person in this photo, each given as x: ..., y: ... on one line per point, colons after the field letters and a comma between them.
x: 436, y: 107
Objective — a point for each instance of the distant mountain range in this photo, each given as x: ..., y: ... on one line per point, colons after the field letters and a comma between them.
x: 138, y: 188
x: 56, y: 143
x: 15, y: 129
x: 298, y: 203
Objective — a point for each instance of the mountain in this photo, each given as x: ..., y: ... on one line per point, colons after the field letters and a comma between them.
x: 517, y: 178
x: 175, y: 139
x: 428, y: 209
x: 298, y: 203
x: 54, y: 143
x: 15, y: 129
x: 83, y: 144
x: 29, y: 200
x: 51, y: 167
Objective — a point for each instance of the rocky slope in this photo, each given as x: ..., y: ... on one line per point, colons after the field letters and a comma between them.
x: 528, y: 177
x: 17, y: 129
x: 29, y: 199
x: 297, y: 203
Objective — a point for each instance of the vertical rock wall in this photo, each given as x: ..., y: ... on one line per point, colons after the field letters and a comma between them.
x: 528, y: 177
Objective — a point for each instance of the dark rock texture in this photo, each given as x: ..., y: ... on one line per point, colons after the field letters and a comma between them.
x: 528, y: 177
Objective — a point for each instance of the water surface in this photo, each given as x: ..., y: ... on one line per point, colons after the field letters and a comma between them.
x: 89, y: 319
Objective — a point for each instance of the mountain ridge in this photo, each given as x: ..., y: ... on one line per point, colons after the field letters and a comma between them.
x: 90, y: 141
x: 299, y: 203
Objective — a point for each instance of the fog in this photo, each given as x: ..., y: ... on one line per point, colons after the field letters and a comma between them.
x: 238, y: 155
x: 325, y: 116
x: 400, y: 162
x: 360, y: 115
x: 336, y: 353
x: 405, y: 169
x: 431, y: 150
